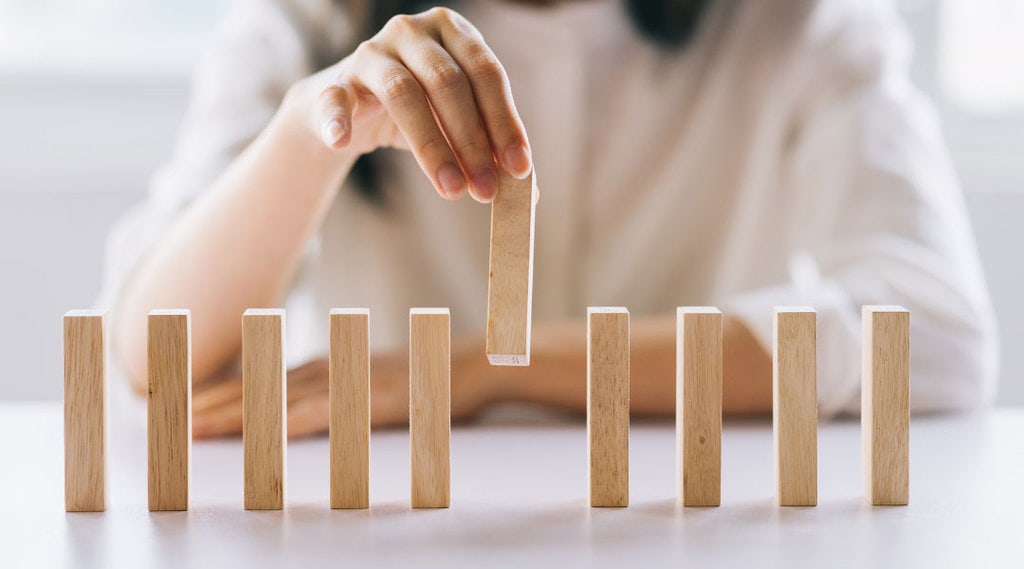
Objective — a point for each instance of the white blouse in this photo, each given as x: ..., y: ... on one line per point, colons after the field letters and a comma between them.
x: 782, y: 158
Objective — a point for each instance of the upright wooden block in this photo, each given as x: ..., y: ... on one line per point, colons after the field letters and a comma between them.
x: 170, y: 409
x: 430, y: 406
x: 885, y: 404
x: 350, y: 408
x: 264, y: 408
x: 699, y: 404
x: 795, y: 405
x: 510, y: 280
x: 85, y: 432
x: 608, y: 406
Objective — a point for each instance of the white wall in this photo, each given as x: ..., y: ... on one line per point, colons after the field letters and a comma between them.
x: 75, y: 152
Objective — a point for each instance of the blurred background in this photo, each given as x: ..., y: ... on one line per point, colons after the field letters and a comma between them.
x: 91, y: 93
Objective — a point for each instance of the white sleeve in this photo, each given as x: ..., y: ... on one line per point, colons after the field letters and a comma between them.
x: 883, y: 222
x: 261, y: 48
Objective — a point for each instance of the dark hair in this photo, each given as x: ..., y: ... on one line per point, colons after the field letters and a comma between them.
x: 670, y: 24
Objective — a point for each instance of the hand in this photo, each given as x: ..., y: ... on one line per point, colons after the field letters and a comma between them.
x: 217, y: 405
x: 427, y: 83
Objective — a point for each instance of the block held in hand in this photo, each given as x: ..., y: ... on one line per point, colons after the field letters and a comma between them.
x: 510, y: 280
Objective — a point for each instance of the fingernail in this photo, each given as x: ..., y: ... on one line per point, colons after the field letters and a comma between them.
x: 518, y: 159
x: 332, y: 132
x: 485, y: 185
x: 450, y: 178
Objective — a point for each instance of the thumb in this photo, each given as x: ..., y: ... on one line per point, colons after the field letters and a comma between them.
x: 333, y: 114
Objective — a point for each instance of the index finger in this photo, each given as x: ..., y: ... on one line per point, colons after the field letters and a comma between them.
x: 492, y: 92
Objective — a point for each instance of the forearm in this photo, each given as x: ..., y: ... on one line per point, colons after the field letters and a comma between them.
x: 557, y: 374
x: 236, y: 247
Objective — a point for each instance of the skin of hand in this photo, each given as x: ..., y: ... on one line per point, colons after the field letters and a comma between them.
x: 426, y: 82
x: 430, y: 84
x: 556, y: 377
x: 217, y: 404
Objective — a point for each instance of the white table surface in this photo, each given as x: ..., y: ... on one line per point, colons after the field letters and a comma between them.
x: 519, y: 499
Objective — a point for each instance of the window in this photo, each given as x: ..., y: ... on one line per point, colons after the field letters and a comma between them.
x: 981, y: 54
x: 104, y: 37
x: 969, y: 57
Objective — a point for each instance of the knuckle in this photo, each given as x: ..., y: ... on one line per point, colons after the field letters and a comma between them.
x: 399, y: 86
x: 368, y: 47
x: 433, y: 145
x: 475, y: 149
x: 485, y: 66
x: 402, y: 23
x: 330, y: 95
x: 443, y: 14
x: 445, y: 76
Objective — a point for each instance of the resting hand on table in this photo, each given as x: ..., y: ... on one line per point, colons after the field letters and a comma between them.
x: 217, y: 405
x: 556, y: 378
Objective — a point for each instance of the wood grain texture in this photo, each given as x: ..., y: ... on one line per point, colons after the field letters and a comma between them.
x: 430, y: 406
x: 795, y: 405
x: 85, y: 397
x: 699, y: 405
x: 349, y: 362
x: 169, y: 409
x: 608, y: 406
x: 264, y: 408
x: 885, y: 404
x: 510, y: 278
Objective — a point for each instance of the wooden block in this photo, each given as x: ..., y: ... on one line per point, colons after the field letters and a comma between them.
x: 795, y: 405
x: 699, y: 405
x: 608, y: 406
x: 264, y: 408
x: 510, y: 280
x: 430, y: 406
x: 350, y: 408
x: 85, y: 431
x: 885, y: 404
x: 169, y: 409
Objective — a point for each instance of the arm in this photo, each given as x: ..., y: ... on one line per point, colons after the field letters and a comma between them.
x: 220, y: 259
x: 557, y: 374
x: 879, y: 218
x: 557, y: 377
x: 427, y: 82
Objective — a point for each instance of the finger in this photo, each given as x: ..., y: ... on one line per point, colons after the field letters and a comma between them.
x: 303, y: 390
x: 217, y: 394
x: 404, y: 99
x: 217, y: 409
x: 313, y: 370
x: 334, y: 111
x: 389, y: 403
x: 307, y: 380
x: 218, y: 421
x: 308, y: 416
x: 492, y: 92
x: 451, y: 98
